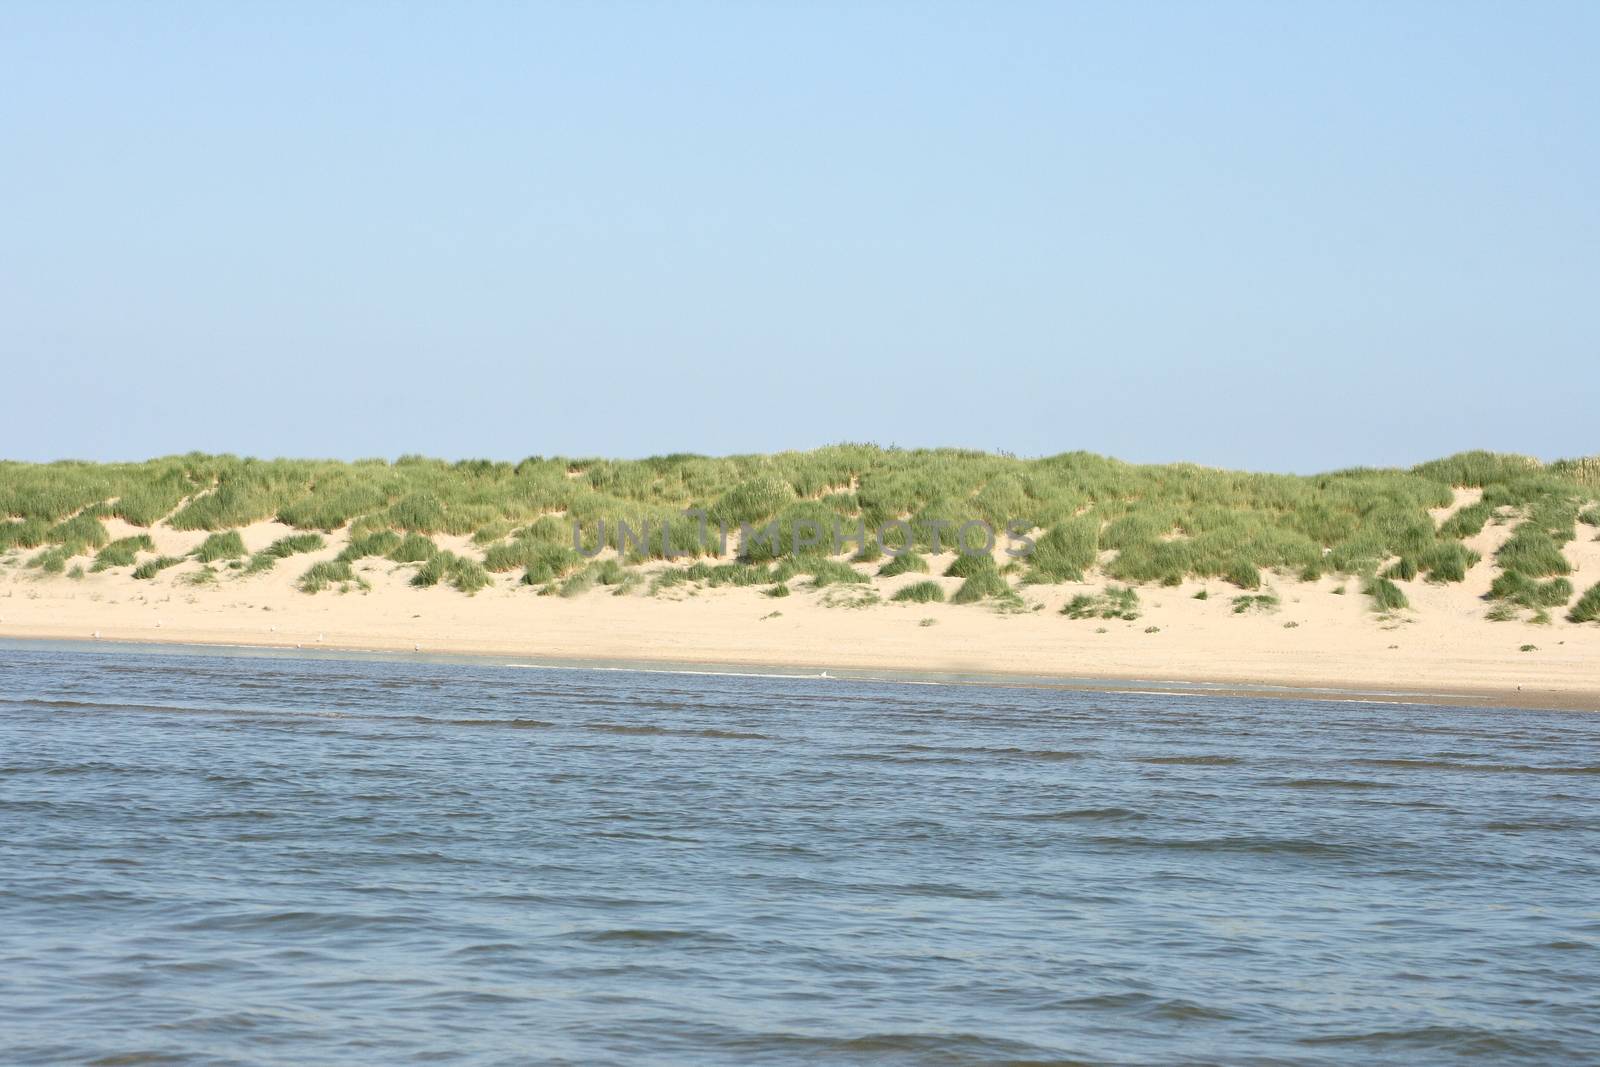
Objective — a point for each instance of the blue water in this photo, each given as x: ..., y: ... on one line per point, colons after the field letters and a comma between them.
x: 223, y: 859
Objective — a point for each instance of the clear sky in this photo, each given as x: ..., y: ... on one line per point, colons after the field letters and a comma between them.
x: 1278, y: 236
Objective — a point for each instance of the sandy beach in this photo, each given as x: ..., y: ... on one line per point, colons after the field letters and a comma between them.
x: 1317, y: 637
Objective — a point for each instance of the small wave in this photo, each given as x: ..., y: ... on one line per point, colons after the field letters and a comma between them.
x: 1144, y: 1005
x: 1328, y: 783
x: 1454, y: 1040
x: 1081, y: 815
x: 1487, y: 768
x: 1289, y: 846
x: 1191, y: 761
x: 645, y: 936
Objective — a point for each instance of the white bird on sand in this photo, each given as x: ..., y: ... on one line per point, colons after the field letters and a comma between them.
x: 97, y: 635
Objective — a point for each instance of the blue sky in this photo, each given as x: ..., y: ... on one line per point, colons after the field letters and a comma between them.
x: 1286, y: 237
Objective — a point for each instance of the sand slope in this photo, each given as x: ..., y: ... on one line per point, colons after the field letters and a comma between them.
x: 1316, y: 637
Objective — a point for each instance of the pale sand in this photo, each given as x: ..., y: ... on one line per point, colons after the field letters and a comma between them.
x: 1442, y: 651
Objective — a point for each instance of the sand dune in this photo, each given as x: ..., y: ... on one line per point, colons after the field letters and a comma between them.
x: 1317, y: 636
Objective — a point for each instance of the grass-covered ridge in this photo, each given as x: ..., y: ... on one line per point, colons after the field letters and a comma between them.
x: 1135, y: 524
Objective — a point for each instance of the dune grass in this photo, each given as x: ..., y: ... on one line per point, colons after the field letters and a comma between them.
x: 53, y: 560
x: 1117, y: 602
x: 1519, y: 589
x: 985, y: 585
x: 1587, y: 609
x: 1256, y: 603
x: 1139, y: 524
x: 460, y: 573
x: 1533, y: 552
x: 151, y: 568
x: 825, y: 572
x: 121, y: 552
x: 220, y: 546
x: 413, y: 548
x: 84, y: 530
x: 1447, y: 561
x: 907, y: 562
x: 543, y: 563
x: 327, y: 573
x: 925, y: 592
x: 968, y: 566
x: 1386, y: 596
x: 283, y: 548
x: 1468, y: 521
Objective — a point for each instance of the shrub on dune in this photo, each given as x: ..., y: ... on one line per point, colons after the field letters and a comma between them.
x: 283, y: 548
x: 927, y: 592
x: 413, y: 548
x: 150, y: 569
x: 218, y: 546
x: 376, y: 543
x: 984, y: 585
x: 967, y: 566
x: 326, y: 573
x: 1066, y: 551
x: 121, y: 552
x: 84, y: 530
x: 1386, y: 596
x: 907, y: 562
x: 1517, y: 588
x: 1587, y: 609
x: 1447, y: 561
x: 465, y: 575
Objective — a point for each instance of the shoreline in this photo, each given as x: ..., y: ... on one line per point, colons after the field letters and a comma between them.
x: 1313, y: 639
x: 1215, y: 685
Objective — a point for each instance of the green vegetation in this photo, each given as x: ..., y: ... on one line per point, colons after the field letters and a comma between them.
x: 1587, y: 609
x: 1255, y: 603
x: 83, y: 530
x: 53, y: 560
x: 283, y: 548
x: 413, y: 548
x: 1533, y: 552
x: 227, y: 545
x: 831, y: 572
x: 1117, y: 602
x: 155, y: 566
x: 985, y: 585
x: 925, y: 592
x: 463, y: 574
x: 329, y: 572
x: 1138, y: 524
x: 967, y: 566
x: 1386, y: 596
x: 907, y: 562
x: 121, y: 552
x: 1468, y: 521
x: 1447, y: 561
x: 1066, y: 551
x: 206, y: 575
x: 1526, y: 592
